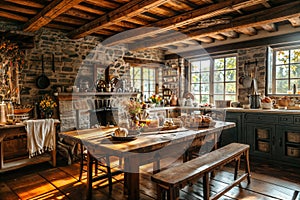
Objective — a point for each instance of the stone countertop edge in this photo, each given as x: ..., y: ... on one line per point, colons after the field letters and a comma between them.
x: 229, y: 109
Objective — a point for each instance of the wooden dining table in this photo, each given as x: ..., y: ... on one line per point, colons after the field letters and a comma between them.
x: 145, y: 148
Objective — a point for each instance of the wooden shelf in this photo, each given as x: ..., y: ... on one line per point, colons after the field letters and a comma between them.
x: 24, y: 162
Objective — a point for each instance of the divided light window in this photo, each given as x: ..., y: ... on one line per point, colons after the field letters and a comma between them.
x: 143, y: 79
x: 214, y: 79
x: 284, y: 73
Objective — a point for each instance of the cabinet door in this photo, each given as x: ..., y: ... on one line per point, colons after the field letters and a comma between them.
x: 234, y: 134
x: 288, y: 138
x: 261, y: 138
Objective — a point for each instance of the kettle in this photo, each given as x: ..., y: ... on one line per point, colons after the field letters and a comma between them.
x: 254, y: 100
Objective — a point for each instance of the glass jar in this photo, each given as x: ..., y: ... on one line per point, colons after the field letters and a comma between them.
x: 152, y: 121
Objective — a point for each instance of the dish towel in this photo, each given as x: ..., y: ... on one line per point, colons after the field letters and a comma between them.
x: 40, y: 136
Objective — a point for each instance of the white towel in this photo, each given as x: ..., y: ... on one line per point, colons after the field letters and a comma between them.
x: 40, y: 136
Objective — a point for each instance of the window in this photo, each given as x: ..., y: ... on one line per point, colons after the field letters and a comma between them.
x: 143, y: 79
x: 214, y: 79
x: 284, y: 71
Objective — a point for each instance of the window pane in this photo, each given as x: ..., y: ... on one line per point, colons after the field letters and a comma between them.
x: 145, y: 73
x: 282, y: 57
x: 230, y: 97
x: 230, y: 75
x: 195, y: 78
x: 195, y: 66
x: 281, y: 86
x: 205, y: 65
x: 204, y: 98
x: 219, y: 64
x: 219, y: 88
x: 195, y: 88
x: 282, y: 71
x: 204, y: 77
x: 152, y: 86
x: 151, y: 74
x: 205, y: 88
x: 218, y: 76
x: 295, y: 56
x: 136, y: 73
x: 231, y: 63
x: 295, y: 71
x: 230, y: 88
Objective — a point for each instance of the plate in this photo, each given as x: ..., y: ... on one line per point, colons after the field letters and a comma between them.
x: 127, y: 138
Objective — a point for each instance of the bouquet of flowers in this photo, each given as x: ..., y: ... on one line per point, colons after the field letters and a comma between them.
x: 133, y: 107
x: 47, y: 104
x: 155, y: 99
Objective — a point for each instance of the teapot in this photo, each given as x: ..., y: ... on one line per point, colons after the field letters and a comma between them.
x: 284, y: 101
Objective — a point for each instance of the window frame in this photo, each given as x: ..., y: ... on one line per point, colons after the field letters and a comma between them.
x: 271, y: 70
x: 211, y: 76
x: 146, y: 93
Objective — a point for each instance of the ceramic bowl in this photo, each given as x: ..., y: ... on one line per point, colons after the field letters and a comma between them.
x: 266, y: 105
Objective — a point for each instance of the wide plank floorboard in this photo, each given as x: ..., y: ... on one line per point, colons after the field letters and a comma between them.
x: 44, y: 182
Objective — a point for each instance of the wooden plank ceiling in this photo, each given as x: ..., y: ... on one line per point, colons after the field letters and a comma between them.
x: 151, y: 23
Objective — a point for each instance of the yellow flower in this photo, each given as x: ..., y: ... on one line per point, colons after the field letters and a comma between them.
x: 47, y: 104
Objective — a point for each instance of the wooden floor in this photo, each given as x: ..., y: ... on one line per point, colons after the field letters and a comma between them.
x: 44, y: 182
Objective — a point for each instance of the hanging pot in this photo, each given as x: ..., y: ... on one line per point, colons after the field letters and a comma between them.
x: 42, y: 81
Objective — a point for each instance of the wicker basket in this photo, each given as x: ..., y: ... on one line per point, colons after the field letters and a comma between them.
x: 262, y: 134
x: 293, y: 152
x: 263, y: 146
x: 293, y: 137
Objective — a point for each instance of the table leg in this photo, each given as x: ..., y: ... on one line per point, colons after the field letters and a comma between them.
x: 132, y: 178
x: 89, y: 175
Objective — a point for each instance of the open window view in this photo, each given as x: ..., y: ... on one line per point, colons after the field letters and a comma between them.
x: 284, y: 71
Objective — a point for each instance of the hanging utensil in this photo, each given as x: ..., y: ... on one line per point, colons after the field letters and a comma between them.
x: 53, y: 65
x: 42, y: 81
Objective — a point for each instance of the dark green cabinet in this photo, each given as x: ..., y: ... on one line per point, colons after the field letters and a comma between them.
x: 289, y: 143
x: 234, y: 134
x: 273, y: 136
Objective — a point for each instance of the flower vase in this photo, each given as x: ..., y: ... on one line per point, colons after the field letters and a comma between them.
x: 49, y: 115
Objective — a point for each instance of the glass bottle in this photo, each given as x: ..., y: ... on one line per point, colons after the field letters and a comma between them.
x: 10, y: 112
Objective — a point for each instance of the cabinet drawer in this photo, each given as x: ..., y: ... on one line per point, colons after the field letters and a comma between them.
x: 259, y: 118
x: 297, y: 120
x: 286, y: 119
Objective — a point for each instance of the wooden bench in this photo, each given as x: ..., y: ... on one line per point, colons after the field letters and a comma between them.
x: 177, y: 177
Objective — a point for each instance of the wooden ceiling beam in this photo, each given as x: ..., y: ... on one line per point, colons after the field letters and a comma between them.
x: 295, y: 21
x: 11, y: 7
x: 269, y: 27
x: 218, y: 37
x: 230, y: 34
x: 268, y: 16
x: 89, y: 9
x: 34, y: 4
x: 124, y: 12
x: 248, y: 31
x: 186, y: 19
x: 51, y: 11
x: 10, y: 15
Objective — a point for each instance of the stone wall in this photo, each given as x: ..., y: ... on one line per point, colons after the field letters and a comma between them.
x: 73, y: 60
x: 252, y: 55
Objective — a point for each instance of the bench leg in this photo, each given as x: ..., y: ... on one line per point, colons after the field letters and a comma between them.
x: 237, y: 167
x: 206, y: 186
x: 247, y: 165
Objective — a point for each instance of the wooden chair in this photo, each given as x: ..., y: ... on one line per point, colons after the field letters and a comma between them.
x: 102, y: 164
